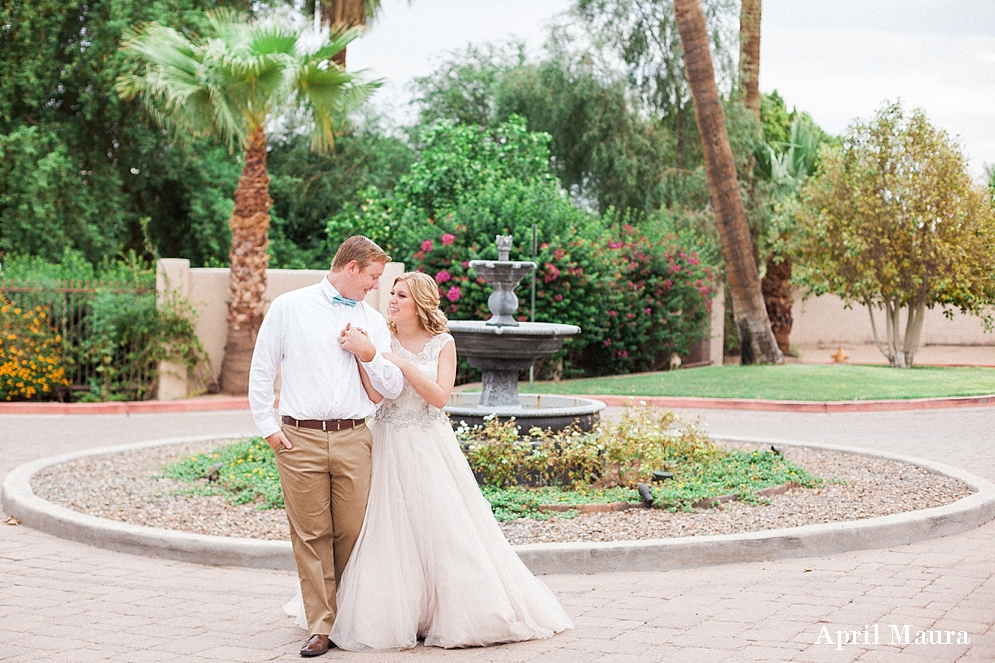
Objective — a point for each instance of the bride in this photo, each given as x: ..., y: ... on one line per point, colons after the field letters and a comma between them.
x: 431, y: 562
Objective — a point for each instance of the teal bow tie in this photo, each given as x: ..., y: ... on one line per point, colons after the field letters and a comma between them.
x: 339, y: 299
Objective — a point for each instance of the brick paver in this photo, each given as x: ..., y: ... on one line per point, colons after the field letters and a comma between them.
x: 63, y: 601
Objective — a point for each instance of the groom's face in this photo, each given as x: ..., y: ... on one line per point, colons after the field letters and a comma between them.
x: 361, y: 281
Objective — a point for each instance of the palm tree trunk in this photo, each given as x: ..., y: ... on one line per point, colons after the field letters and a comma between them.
x: 776, y: 284
x: 749, y: 54
x: 756, y: 340
x: 778, y: 298
x: 342, y: 15
x: 247, y: 279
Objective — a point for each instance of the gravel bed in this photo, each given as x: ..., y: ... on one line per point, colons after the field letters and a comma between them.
x: 124, y: 488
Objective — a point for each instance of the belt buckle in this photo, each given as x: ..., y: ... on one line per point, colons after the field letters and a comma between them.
x: 324, y: 425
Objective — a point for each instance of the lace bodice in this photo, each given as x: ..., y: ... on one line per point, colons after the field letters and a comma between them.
x: 409, y: 407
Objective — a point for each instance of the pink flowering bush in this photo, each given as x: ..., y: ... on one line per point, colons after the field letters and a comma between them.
x: 659, y: 297
x: 636, y: 300
x: 565, y: 274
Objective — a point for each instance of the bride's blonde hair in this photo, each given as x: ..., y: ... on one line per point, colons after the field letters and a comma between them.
x: 425, y: 294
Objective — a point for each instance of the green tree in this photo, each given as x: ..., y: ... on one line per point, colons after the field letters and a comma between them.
x: 80, y: 168
x: 643, y: 35
x: 782, y: 167
x: 465, y: 86
x: 309, y: 188
x: 230, y: 85
x: 496, y: 180
x: 603, y: 149
x: 893, y: 221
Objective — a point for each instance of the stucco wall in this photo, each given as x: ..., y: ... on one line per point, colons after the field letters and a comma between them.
x: 206, y: 289
x: 825, y: 321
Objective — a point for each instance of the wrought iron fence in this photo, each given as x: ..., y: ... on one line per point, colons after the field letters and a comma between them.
x: 90, y: 362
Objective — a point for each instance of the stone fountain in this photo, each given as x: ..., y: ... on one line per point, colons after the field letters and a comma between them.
x: 502, y: 347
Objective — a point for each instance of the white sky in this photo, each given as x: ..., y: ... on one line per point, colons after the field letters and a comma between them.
x: 838, y: 60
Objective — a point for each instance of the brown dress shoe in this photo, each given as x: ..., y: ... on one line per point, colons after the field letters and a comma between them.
x: 316, y: 645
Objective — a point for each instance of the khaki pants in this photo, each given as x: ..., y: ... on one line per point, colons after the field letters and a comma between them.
x: 326, y: 483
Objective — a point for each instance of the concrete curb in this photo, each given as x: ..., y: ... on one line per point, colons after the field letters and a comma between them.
x: 651, y: 555
x: 806, y: 541
x: 20, y: 501
x: 684, y: 402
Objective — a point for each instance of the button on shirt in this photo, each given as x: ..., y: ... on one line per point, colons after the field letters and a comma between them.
x: 300, y: 335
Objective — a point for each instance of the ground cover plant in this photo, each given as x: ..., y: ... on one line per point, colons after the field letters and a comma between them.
x: 519, y: 472
x: 243, y: 471
x: 793, y: 382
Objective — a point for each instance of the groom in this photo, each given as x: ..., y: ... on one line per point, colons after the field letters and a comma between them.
x: 322, y: 445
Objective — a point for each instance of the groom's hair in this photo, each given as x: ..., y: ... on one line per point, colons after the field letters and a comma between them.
x: 361, y: 249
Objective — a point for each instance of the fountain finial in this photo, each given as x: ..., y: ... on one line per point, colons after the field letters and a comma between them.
x: 503, y: 275
x: 503, y: 246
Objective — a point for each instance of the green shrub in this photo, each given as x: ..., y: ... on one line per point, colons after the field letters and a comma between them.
x: 618, y: 457
x: 621, y: 454
x: 116, y: 334
x: 129, y: 336
x: 658, y: 296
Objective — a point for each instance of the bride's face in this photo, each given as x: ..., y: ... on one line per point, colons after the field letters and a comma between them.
x: 401, y: 307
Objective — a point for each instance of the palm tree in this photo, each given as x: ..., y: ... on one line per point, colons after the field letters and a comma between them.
x: 230, y: 85
x: 749, y: 54
x: 786, y: 170
x: 342, y: 15
x: 750, y: 316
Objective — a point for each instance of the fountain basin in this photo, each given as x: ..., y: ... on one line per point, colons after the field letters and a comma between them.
x: 533, y: 410
x: 502, y: 347
x: 506, y: 348
x: 501, y: 352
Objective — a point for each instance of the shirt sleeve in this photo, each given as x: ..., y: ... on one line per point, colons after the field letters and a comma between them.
x: 385, y: 376
x: 266, y: 359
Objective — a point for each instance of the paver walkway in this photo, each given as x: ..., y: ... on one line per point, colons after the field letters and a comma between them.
x: 62, y: 601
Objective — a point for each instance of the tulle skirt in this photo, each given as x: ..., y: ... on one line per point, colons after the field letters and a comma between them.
x: 431, y: 561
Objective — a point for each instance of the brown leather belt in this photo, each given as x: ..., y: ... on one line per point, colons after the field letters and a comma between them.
x: 325, y: 425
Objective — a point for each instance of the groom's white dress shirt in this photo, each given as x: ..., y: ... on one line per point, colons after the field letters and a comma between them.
x: 300, y: 335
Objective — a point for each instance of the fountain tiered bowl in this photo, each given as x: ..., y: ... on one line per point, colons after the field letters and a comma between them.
x: 502, y: 347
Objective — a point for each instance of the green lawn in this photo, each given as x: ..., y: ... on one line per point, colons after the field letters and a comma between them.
x: 790, y: 382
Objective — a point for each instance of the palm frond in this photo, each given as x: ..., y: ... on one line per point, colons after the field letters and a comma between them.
x: 330, y: 94
x: 162, y: 46
x: 805, y: 139
x: 234, y: 80
x: 228, y: 25
x: 273, y: 39
x: 337, y: 43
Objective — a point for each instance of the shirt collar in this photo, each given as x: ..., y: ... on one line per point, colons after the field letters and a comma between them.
x: 329, y: 289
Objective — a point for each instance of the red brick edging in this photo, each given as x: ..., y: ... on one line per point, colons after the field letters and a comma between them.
x: 799, y: 406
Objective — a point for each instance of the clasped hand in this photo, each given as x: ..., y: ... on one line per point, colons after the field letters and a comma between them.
x: 356, y: 341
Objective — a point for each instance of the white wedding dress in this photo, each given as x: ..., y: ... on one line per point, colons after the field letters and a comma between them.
x: 431, y: 561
